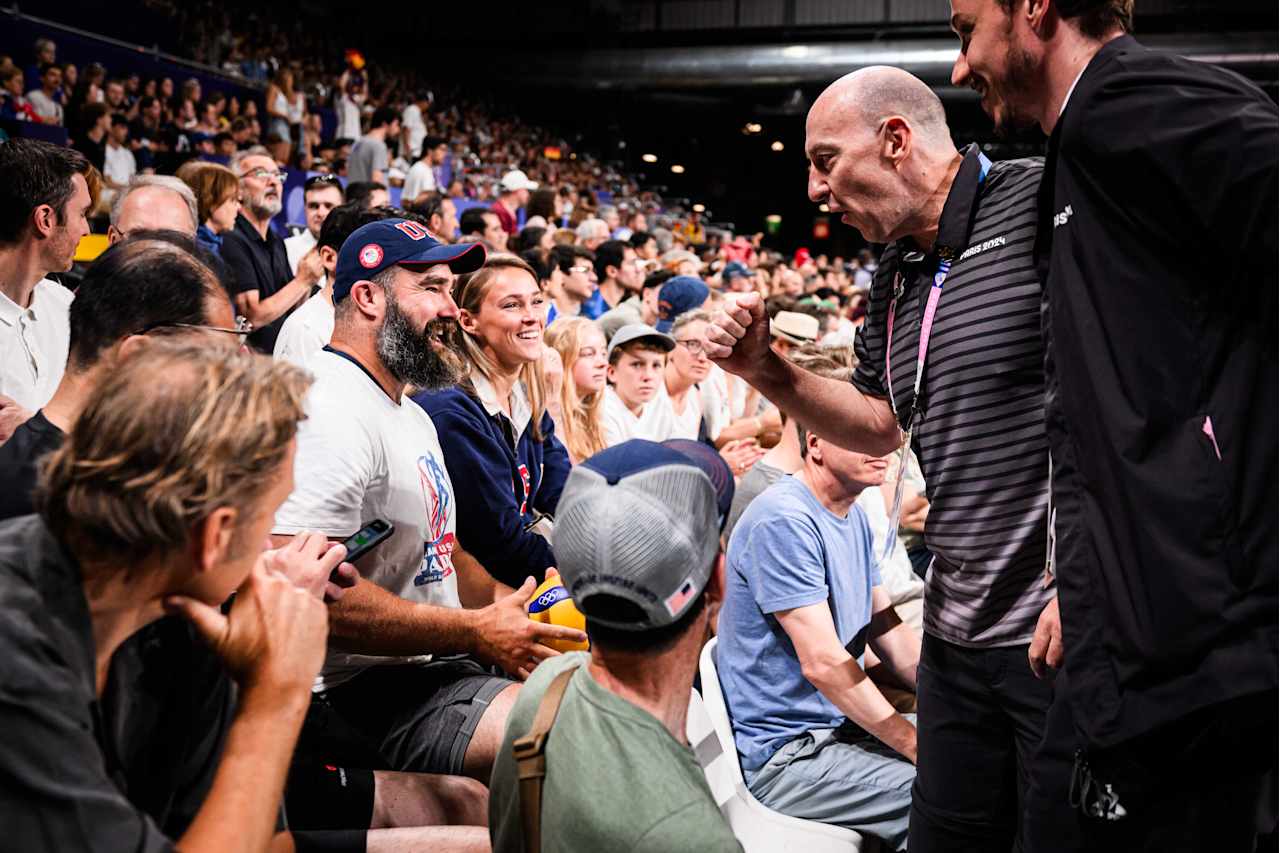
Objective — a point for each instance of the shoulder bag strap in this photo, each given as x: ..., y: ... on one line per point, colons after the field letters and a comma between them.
x: 531, y: 760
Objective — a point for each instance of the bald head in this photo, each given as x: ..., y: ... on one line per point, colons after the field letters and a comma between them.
x: 153, y: 203
x: 870, y: 95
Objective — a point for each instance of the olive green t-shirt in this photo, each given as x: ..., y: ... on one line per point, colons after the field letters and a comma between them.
x: 616, y: 779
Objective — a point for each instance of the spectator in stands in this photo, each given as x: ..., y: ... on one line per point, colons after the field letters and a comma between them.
x: 637, y: 360
x: 591, y: 233
x: 217, y: 192
x: 577, y: 266
x: 803, y: 599
x: 618, y: 274
x: 422, y: 174
x: 14, y: 105
x: 583, y: 353
x: 279, y: 103
x: 736, y: 277
x: 438, y: 212
x: 155, y: 504
x: 369, y: 159
x: 681, y: 262
x: 45, y: 99
x: 320, y: 194
x: 44, y: 52
x: 93, y: 128
x: 306, y: 331
x: 368, y: 194
x: 151, y: 203
x: 638, y: 308
x: 543, y: 202
x: 612, y: 219
x: 365, y: 452
x: 620, y: 726
x: 46, y: 193
x: 535, y: 237
x: 790, y: 329
x: 413, y: 132
x: 264, y: 287
x: 676, y: 410
x: 645, y: 244
x: 500, y: 447
x: 119, y: 163
x: 150, y: 285
x: 114, y: 97
x: 515, y: 195
x: 480, y: 224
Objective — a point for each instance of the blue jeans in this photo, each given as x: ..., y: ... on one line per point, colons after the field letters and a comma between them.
x: 840, y: 776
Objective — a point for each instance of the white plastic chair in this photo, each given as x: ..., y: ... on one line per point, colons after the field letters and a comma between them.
x: 758, y: 827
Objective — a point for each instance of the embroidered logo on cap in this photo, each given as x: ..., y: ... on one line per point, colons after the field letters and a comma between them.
x: 371, y: 256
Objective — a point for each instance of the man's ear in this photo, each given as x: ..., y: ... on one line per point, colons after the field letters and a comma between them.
x: 1038, y: 17
x: 896, y: 140
x: 368, y: 297
x: 131, y: 346
x: 212, y: 538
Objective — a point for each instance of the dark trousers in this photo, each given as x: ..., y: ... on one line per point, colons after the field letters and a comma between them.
x: 995, y: 755
x: 1204, y: 783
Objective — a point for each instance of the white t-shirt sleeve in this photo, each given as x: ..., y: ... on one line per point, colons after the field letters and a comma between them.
x: 336, y: 460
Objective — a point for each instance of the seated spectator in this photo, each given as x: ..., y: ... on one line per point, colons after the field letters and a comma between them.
x: 645, y: 244
x: 637, y: 360
x: 369, y: 160
x: 217, y: 192
x: 681, y: 262
x: 14, y: 105
x: 584, y: 356
x: 514, y: 196
x: 153, y: 203
x: 91, y: 138
x: 264, y: 286
x: 155, y: 504
x: 306, y: 332
x: 405, y: 685
x: 676, y: 410
x: 320, y: 194
x: 119, y: 163
x: 577, y: 283
x: 792, y: 329
x: 591, y: 233
x: 619, y: 773
x: 368, y: 193
x: 46, y: 194
x: 736, y: 278
x: 639, y: 308
x: 618, y: 275
x: 149, y: 285
x: 439, y: 214
x: 499, y: 442
x: 45, y: 100
x: 803, y: 599
x: 480, y: 224
x: 422, y: 174
x: 535, y: 237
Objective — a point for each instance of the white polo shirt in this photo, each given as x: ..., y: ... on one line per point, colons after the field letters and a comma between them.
x: 33, y: 344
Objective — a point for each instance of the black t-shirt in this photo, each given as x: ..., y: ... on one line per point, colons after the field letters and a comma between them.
x: 126, y: 773
x: 19, y: 463
x: 94, y: 152
x: 257, y: 264
x: 1157, y: 239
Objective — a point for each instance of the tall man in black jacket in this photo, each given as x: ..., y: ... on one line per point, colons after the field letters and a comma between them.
x: 1157, y: 244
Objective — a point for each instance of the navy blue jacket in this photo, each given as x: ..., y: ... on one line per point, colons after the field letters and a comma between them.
x: 498, y: 487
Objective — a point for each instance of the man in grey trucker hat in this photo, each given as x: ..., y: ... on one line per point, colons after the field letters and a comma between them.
x: 638, y: 541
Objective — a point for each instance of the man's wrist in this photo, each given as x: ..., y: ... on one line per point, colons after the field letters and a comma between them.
x: 263, y: 698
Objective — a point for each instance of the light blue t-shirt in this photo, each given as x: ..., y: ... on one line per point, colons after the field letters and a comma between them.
x: 788, y: 551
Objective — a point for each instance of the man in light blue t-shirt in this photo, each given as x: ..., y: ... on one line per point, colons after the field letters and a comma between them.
x: 803, y: 599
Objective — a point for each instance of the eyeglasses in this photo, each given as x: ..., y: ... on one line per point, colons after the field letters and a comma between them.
x: 264, y: 174
x: 582, y: 270
x: 241, y: 331
x: 693, y: 345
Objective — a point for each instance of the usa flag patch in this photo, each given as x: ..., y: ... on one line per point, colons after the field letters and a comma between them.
x: 678, y: 599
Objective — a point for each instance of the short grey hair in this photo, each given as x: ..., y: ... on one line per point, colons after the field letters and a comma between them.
x: 239, y: 157
x: 589, y: 229
x: 164, y: 182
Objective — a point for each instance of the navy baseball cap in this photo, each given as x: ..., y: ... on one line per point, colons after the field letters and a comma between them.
x: 735, y: 269
x: 639, y: 523
x: 376, y: 246
x: 680, y: 294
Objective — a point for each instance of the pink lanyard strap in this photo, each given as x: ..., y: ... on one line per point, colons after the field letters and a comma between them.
x: 926, y: 328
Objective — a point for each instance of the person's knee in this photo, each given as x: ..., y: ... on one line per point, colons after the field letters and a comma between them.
x: 428, y: 799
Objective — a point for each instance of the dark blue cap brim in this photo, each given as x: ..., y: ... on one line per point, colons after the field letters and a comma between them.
x: 461, y: 257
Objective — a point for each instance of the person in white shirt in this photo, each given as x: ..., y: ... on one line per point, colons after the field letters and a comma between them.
x: 395, y: 677
x: 413, y: 124
x: 637, y: 358
x: 422, y: 175
x: 45, y: 195
x: 119, y: 165
x: 320, y: 194
x: 45, y: 99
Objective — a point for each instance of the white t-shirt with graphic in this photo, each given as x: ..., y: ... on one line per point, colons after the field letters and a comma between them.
x: 362, y: 456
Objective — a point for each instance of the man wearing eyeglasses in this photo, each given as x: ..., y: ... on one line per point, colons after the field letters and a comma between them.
x: 145, y: 286
x: 263, y: 284
x: 320, y: 194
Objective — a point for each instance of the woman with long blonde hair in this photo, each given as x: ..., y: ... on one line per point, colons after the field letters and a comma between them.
x: 582, y: 348
x: 505, y: 462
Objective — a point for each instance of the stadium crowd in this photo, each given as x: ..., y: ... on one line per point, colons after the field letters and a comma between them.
x: 561, y: 395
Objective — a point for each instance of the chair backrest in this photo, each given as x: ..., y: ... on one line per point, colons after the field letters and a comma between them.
x: 717, y: 709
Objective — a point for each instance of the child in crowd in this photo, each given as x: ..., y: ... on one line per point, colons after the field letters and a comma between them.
x: 581, y: 346
x: 637, y: 361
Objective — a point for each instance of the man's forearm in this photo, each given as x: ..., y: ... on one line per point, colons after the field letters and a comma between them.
x: 240, y: 811
x: 899, y: 647
x: 833, y: 409
x: 369, y: 620
x: 848, y: 688
x: 269, y: 309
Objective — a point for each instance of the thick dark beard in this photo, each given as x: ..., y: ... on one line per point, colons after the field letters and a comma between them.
x: 1016, y: 89
x: 409, y: 355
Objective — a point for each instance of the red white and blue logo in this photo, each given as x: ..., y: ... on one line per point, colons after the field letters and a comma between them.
x: 437, y: 552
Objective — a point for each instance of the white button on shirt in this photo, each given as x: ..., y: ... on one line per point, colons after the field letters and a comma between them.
x: 33, y: 344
